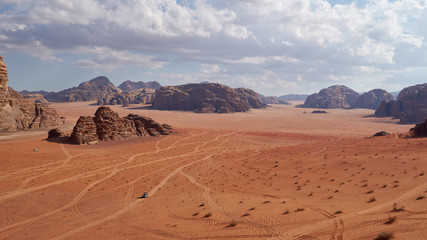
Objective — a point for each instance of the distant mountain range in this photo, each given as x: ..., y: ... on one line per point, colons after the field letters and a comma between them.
x: 93, y: 90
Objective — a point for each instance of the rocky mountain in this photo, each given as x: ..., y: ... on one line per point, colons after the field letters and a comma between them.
x: 125, y: 98
x: 410, y: 106
x: 132, y: 86
x: 36, y: 97
x: 19, y: 113
x: 293, y: 97
x: 372, y: 99
x: 336, y: 96
x: 91, y: 90
x: 206, y: 98
x: 272, y: 100
x: 108, y: 126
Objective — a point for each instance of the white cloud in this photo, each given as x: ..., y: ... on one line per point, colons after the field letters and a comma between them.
x: 298, y: 41
x: 109, y: 60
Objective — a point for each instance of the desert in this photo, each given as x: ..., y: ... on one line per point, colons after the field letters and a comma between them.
x: 255, y: 175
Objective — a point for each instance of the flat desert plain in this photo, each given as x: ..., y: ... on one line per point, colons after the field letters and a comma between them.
x: 275, y: 173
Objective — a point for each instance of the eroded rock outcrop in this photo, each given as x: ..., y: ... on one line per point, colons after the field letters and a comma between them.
x: 108, y: 126
x: 91, y: 90
x: 132, y: 86
x: 410, y: 106
x: 372, y: 99
x: 420, y: 130
x: 18, y: 113
x: 206, y: 98
x: 336, y: 96
x: 272, y: 100
x: 143, y: 95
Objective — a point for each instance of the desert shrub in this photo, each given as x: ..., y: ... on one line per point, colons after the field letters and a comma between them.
x: 396, y: 209
x: 420, y: 197
x: 338, y: 212
x: 207, y: 215
x: 195, y: 214
x: 232, y: 224
x: 285, y: 212
x: 385, y: 236
x: 390, y: 220
x: 246, y: 214
x: 372, y: 199
x: 201, y: 205
x: 299, y: 209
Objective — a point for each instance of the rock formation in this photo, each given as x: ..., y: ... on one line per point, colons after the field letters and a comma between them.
x: 272, y: 100
x: 108, y: 126
x: 336, y: 96
x: 293, y: 97
x: 36, y: 97
x: 205, y: 98
x: 372, y: 99
x: 19, y: 113
x: 410, y: 107
x: 420, y: 130
x: 91, y: 90
x: 250, y: 97
x: 143, y: 95
x: 132, y: 86
x: 55, y: 133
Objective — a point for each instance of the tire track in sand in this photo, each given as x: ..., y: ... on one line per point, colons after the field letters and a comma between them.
x: 152, y: 192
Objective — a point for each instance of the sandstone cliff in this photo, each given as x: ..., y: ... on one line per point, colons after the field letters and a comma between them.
x: 410, y: 106
x: 420, y: 129
x: 132, y: 86
x: 91, y: 90
x: 205, y: 98
x: 143, y: 95
x: 19, y: 113
x: 108, y: 126
x: 272, y: 100
x: 372, y: 99
x: 336, y: 96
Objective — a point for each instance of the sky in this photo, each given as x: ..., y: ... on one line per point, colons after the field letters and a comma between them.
x: 275, y: 47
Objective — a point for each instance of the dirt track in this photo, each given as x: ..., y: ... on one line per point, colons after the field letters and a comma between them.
x: 215, y: 183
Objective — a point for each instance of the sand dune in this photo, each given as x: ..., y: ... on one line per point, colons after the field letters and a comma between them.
x: 277, y: 173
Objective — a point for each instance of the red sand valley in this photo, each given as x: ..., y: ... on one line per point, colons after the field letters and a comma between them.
x: 275, y: 173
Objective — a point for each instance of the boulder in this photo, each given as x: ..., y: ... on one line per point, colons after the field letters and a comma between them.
x: 108, y: 126
x: 55, y: 133
x: 381, y: 134
x: 336, y: 96
x: 420, y: 130
x: 410, y: 106
x: 18, y: 113
x: 372, y: 99
x: 206, y: 98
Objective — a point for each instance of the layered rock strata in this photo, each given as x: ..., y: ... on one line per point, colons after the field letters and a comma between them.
x: 206, y: 98
x: 410, y: 106
x: 18, y: 113
x: 108, y: 126
x: 336, y: 96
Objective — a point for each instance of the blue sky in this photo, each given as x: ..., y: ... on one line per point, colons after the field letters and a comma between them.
x: 275, y: 47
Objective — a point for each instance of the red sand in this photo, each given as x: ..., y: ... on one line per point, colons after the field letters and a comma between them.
x: 274, y: 173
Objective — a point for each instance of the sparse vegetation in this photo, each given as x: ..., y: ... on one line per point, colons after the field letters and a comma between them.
x: 202, y: 205
x: 420, y: 197
x: 338, y: 212
x: 195, y: 214
x: 286, y: 212
x: 396, y: 209
x: 232, y: 224
x: 390, y: 220
x: 251, y: 209
x: 299, y: 209
x: 370, y: 191
x: 385, y: 236
x: 207, y: 215
x: 266, y: 202
x: 372, y: 199
x: 246, y: 215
